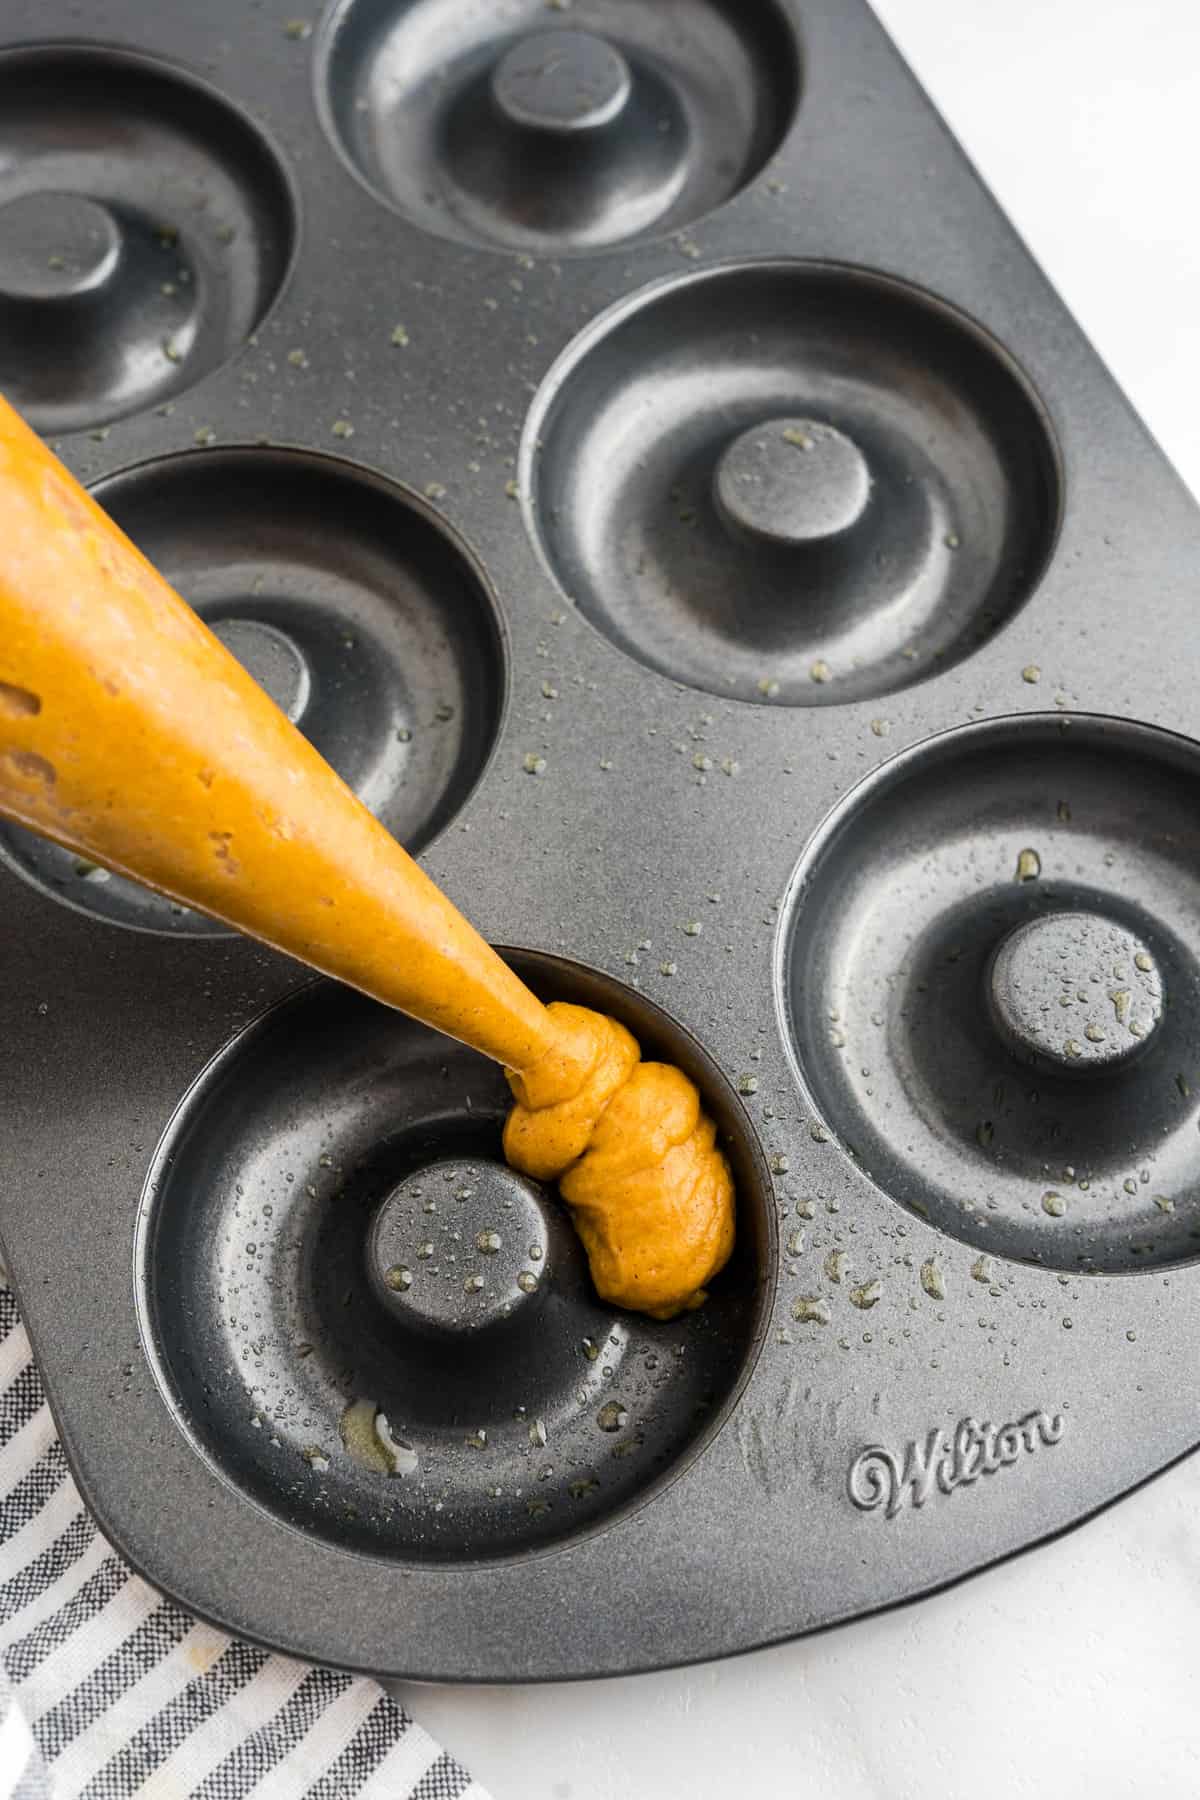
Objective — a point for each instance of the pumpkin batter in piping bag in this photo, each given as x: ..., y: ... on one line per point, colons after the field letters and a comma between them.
x: 130, y: 734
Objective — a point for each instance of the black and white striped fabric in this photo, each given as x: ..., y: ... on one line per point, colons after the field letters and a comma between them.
x: 107, y: 1691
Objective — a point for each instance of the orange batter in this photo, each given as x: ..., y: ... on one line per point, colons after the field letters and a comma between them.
x: 131, y: 735
x: 635, y: 1157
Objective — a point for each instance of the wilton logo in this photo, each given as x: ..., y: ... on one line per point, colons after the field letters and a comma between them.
x: 879, y: 1477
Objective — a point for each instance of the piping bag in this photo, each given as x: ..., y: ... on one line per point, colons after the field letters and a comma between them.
x: 128, y: 733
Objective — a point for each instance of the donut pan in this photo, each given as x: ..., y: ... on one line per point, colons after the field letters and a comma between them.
x: 630, y: 442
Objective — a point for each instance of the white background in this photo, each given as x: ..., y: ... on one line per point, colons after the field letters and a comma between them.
x: 1071, y: 1672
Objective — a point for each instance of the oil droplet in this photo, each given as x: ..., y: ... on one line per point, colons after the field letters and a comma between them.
x: 984, y: 1133
x: 810, y: 1309
x: 316, y: 1459
x: 864, y: 1297
x: 795, y: 1243
x: 612, y: 1416
x: 1031, y: 673
x: 932, y: 1280
x: 590, y: 1348
x: 1067, y: 1324
x: 1163, y: 1203
x: 1093, y: 1034
x: 477, y: 1440
x: 1142, y: 961
x: 1121, y: 998
x: 488, y: 1242
x: 820, y: 671
x: 361, y: 1438
x: 1029, y: 865
x: 402, y: 1457
x: 1073, y: 1048
x: 398, y: 1278
x: 538, y: 1434
x: 425, y: 1251
x: 579, y: 1490
x: 1054, y: 1204
x: 1131, y: 1337
x: 881, y: 727
x: 747, y: 1084
x: 527, y: 1281
x: 535, y: 1253
x: 473, y: 1284
x: 835, y: 1264
x: 983, y: 1270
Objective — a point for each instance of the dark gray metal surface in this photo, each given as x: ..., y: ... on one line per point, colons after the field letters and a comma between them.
x: 961, y: 1316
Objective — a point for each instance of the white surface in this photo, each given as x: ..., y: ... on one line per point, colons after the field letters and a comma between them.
x: 1070, y: 1672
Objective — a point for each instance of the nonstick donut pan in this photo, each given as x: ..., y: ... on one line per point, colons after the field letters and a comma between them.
x: 629, y: 441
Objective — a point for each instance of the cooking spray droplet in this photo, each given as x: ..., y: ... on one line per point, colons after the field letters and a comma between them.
x: 932, y: 1280
x: 865, y: 1297
x: 795, y: 1243
x: 612, y: 1416
x: 425, y: 1251
x: 1029, y: 865
x: 810, y: 1309
x: 983, y: 1270
x: 835, y: 1264
x: 402, y: 1457
x: 398, y: 1278
x: 538, y: 1434
x: 473, y: 1284
x: 1054, y: 1204
x: 590, y: 1348
x: 1031, y: 673
x: 527, y: 1281
x: 477, y: 1440
x: 488, y: 1242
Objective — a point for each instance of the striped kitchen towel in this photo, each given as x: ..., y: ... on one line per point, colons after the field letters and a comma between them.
x: 108, y: 1691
